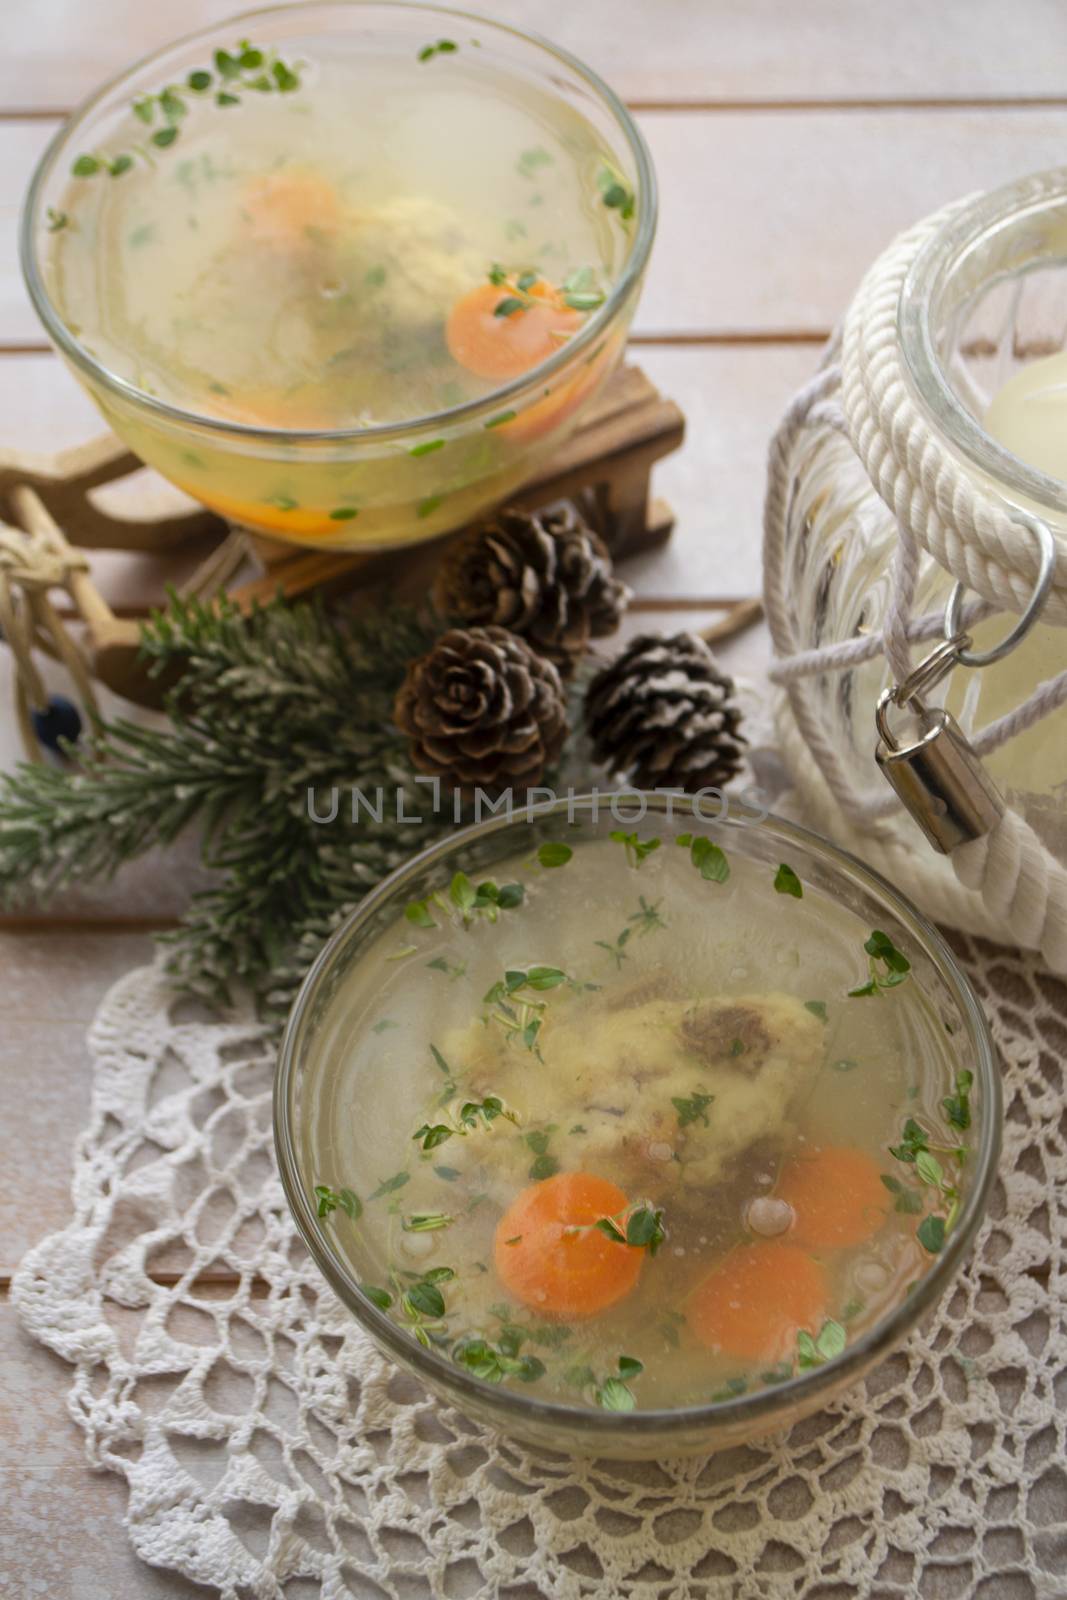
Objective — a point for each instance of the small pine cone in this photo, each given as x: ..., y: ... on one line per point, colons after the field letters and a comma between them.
x: 544, y: 574
x: 664, y: 714
x: 482, y: 710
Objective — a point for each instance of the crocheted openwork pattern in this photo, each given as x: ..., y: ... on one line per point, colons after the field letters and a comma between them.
x: 269, y: 1451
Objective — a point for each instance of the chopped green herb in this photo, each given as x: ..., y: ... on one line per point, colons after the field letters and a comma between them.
x: 164, y: 137
x: 709, y: 860
x: 730, y: 1390
x: 426, y: 1222
x: 427, y: 507
x: 530, y: 161
x: 447, y: 1174
x: 499, y: 420
x: 647, y: 918
x: 636, y: 849
x: 85, y: 166
x: 425, y: 1299
x: 830, y: 1342
x: 957, y: 1107
x: 443, y: 47
x: 882, y: 953
x: 56, y: 219
x: 508, y: 307
x: 526, y: 281
x: 390, y: 1185
x: 453, y: 970
x: 616, y: 194
x: 931, y: 1234
x: 343, y: 513
x: 787, y: 882
x: 378, y: 1297
x: 693, y: 1108
x: 494, y: 1363
x: 616, y: 951
x: 338, y: 1200
x: 384, y: 1025
x: 612, y: 1394
x: 817, y: 1008
x: 427, y: 447
x: 907, y: 1201
x: 554, y: 854
x: 545, y: 1166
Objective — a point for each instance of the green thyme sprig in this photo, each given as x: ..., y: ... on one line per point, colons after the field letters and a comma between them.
x: 245, y: 69
x: 579, y: 290
x: 917, y: 1151
x: 708, y: 858
x: 464, y: 903
x: 815, y: 1351
x: 330, y: 1200
x: 887, y: 966
x: 617, y: 950
x: 516, y: 1012
x: 422, y: 1305
x: 616, y: 193
x: 639, y: 1225
x: 611, y: 1393
x: 472, y: 1114
x: 495, y: 1362
x: 637, y: 850
x: 647, y: 918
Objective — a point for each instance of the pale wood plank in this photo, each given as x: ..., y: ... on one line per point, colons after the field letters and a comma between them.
x: 768, y: 219
x: 61, y: 1533
x: 55, y: 51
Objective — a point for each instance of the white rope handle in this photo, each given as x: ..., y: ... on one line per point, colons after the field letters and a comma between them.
x: 1022, y: 886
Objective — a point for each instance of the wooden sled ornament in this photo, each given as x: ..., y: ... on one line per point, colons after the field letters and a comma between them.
x: 50, y: 518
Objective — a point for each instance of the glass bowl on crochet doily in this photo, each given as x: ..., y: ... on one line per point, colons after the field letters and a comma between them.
x: 342, y: 984
x: 315, y: 451
x: 982, y: 298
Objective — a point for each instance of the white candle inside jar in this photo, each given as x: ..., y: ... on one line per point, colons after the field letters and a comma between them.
x: 1029, y: 415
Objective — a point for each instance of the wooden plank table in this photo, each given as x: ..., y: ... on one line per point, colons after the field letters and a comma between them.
x: 791, y: 143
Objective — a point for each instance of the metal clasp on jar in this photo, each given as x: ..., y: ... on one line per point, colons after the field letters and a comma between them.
x: 935, y: 771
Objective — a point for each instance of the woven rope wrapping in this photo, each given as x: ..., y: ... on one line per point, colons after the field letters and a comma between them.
x: 1007, y: 882
x: 272, y: 1454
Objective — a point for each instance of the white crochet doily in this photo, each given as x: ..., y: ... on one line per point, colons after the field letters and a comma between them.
x: 269, y: 1451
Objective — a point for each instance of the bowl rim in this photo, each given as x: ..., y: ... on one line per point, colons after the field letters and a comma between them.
x: 1011, y: 203
x: 601, y: 1426
x: 595, y: 327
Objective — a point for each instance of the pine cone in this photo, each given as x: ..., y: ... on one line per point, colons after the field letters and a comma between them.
x: 665, y: 715
x: 482, y: 710
x: 544, y: 574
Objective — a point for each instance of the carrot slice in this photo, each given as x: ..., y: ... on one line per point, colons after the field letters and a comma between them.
x: 756, y: 1301
x: 507, y: 345
x: 557, y: 1271
x: 282, y: 206
x: 837, y: 1194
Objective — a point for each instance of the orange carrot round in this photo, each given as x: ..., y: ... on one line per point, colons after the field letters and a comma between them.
x: 549, y: 1255
x: 281, y: 207
x: 837, y: 1195
x: 754, y: 1303
x: 507, y: 345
